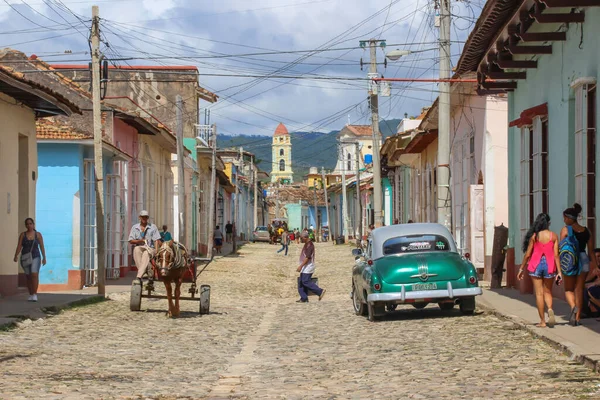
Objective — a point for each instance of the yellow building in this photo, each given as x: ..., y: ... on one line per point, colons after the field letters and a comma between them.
x: 282, y: 156
x: 22, y: 101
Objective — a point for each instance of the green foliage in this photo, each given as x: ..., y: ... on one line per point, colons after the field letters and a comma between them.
x: 309, y: 149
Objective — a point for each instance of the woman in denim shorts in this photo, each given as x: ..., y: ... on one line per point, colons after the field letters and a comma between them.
x: 574, y: 285
x: 31, y: 241
x: 540, y: 246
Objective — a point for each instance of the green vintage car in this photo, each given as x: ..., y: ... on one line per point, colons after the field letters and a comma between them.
x: 413, y: 264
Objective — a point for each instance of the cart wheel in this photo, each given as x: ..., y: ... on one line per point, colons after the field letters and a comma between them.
x: 135, y: 301
x: 204, y: 299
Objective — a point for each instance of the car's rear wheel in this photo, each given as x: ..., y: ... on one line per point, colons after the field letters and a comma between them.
x: 375, y: 311
x: 467, y: 305
x: 446, y: 306
x: 360, y: 308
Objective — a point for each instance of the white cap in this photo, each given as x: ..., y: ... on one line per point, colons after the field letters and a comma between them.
x: 144, y: 213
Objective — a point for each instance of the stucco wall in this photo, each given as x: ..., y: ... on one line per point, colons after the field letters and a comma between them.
x: 17, y: 202
x: 60, y: 168
x: 282, y: 143
x: 495, y: 168
x: 550, y: 83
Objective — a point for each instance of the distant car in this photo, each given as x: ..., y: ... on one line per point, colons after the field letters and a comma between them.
x: 413, y: 264
x: 261, y: 234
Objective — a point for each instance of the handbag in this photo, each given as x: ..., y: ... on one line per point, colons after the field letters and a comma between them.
x: 27, y: 258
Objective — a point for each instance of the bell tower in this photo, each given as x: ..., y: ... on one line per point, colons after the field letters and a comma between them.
x: 282, y: 156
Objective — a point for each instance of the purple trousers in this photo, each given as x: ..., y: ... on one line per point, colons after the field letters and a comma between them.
x: 305, y: 284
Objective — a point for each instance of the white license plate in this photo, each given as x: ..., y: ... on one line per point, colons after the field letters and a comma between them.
x: 424, y: 286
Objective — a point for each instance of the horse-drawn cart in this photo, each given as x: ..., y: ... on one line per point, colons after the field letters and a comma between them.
x: 146, y: 289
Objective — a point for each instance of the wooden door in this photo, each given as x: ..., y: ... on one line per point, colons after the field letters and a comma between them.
x: 477, y: 226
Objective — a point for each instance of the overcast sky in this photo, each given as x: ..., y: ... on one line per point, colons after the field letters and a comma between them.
x: 153, y: 30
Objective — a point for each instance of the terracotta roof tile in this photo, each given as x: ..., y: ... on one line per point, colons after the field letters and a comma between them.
x: 54, y: 83
x: 360, y: 130
x: 59, y: 129
x: 281, y: 130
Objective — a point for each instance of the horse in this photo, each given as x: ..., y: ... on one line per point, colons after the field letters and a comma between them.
x: 172, y: 261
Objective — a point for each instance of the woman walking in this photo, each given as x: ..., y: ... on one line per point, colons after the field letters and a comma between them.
x: 575, y: 282
x: 29, y: 245
x: 540, y: 246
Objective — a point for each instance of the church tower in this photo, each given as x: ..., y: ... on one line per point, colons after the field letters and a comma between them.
x: 282, y: 156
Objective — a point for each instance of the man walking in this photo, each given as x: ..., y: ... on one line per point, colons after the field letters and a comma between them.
x: 228, y: 232
x: 285, y: 242
x: 306, y: 269
x: 146, y: 239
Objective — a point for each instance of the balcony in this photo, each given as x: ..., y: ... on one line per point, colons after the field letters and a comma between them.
x: 204, y: 134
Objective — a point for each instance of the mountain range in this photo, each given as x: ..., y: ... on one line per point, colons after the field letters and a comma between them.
x: 309, y: 149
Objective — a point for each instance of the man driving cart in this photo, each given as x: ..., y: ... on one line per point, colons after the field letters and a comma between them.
x: 146, y: 239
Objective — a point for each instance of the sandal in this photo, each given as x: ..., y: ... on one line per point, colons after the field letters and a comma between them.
x: 573, y: 316
x: 551, y: 318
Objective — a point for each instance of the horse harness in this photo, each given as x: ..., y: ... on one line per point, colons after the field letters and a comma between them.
x: 178, y: 253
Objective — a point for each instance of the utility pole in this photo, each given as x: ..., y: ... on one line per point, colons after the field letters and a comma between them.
x: 444, y: 207
x: 98, y: 162
x: 326, y: 203
x: 180, y: 170
x: 248, y: 219
x: 277, y: 201
x: 344, y: 198
x: 316, y: 213
x: 374, y: 102
x: 213, y: 194
x: 235, y: 210
x: 255, y: 180
x: 358, y: 199
x: 245, y: 220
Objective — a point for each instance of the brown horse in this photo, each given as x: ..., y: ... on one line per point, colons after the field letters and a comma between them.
x: 172, y: 262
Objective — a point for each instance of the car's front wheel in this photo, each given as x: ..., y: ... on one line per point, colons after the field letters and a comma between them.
x: 360, y: 308
x: 467, y: 305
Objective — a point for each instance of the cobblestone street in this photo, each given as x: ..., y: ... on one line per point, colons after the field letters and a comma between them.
x: 258, y: 343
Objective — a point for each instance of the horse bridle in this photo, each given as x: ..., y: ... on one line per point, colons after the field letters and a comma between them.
x: 166, y: 249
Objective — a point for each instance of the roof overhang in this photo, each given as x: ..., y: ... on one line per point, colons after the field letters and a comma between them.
x: 515, y: 33
x: 107, y: 147
x: 143, y: 126
x: 43, y: 103
x: 421, y: 141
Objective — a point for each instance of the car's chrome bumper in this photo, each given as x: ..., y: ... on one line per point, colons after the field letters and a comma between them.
x: 403, y: 295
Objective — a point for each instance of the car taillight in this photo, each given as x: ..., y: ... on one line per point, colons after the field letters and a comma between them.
x: 370, y: 262
x: 467, y: 256
x: 377, y: 286
x: 472, y: 280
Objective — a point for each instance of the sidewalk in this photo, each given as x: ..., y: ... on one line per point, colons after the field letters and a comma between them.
x: 581, y: 343
x: 16, y: 308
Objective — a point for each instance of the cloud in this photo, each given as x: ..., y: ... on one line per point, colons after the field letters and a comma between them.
x: 178, y: 28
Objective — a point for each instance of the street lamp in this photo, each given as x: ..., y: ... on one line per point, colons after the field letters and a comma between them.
x: 395, y: 55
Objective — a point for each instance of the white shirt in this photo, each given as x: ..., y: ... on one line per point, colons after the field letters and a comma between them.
x: 309, y: 248
x: 150, y: 234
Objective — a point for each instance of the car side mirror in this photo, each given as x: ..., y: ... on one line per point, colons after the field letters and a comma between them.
x: 357, y: 252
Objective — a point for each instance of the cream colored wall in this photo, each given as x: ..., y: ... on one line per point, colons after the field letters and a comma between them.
x: 16, y: 120
x: 420, y: 188
x: 158, y: 159
x: 282, y: 142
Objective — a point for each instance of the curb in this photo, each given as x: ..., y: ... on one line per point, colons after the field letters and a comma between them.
x: 566, y: 348
x: 50, y: 311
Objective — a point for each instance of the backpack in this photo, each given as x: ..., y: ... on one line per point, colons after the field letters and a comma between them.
x: 568, y: 250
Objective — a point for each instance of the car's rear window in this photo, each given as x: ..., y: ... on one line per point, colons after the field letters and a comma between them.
x: 415, y: 244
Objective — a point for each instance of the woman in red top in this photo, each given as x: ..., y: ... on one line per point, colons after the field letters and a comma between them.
x: 540, y: 246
